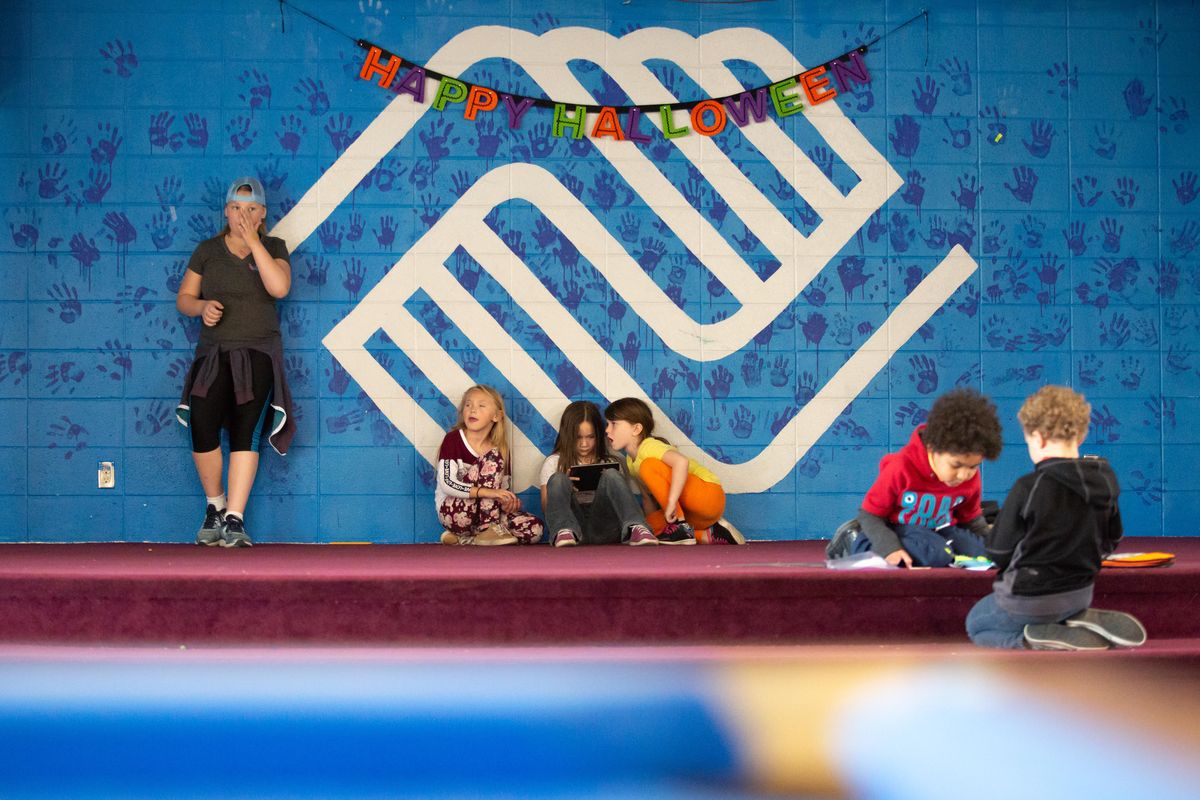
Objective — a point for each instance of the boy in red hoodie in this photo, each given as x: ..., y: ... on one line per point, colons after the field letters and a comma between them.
x: 924, y: 509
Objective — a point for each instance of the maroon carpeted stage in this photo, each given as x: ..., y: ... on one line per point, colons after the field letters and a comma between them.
x: 764, y: 593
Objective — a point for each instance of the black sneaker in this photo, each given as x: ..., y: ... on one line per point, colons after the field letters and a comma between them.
x: 724, y: 533
x: 844, y: 539
x: 209, y: 534
x: 234, y: 533
x: 1056, y: 636
x: 677, y: 533
x: 1115, y: 626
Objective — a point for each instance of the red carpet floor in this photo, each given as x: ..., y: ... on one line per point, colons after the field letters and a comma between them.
x: 765, y: 593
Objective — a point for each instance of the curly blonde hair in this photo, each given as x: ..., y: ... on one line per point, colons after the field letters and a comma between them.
x: 1056, y: 412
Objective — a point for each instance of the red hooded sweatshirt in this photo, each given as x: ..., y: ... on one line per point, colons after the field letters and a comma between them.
x: 909, y: 493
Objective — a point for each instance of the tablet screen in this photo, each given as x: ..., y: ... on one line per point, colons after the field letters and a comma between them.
x: 589, y: 475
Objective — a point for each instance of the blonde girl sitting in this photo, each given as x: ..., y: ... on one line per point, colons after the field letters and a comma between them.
x: 474, y: 501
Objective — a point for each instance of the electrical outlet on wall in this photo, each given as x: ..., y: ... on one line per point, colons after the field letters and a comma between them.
x: 106, y: 475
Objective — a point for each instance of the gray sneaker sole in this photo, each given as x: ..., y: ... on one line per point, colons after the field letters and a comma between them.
x: 239, y: 541
x: 1115, y: 626
x: 1055, y: 636
x: 208, y: 538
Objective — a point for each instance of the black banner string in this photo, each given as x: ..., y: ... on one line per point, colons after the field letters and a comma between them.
x: 541, y: 102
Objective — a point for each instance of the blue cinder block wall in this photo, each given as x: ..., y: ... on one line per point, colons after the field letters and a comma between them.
x: 1053, y: 142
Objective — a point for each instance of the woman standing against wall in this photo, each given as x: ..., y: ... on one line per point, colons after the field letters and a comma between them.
x: 237, y: 379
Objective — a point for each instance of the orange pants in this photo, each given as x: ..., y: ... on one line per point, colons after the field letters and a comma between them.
x: 701, y: 503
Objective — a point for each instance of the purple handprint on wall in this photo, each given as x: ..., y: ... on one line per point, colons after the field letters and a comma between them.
x: 330, y: 233
x: 906, y: 136
x: 66, y: 300
x: 1182, y: 241
x: 1136, y: 99
x: 1076, y: 238
x: 240, y: 135
x: 315, y: 100
x: 292, y: 129
x: 1185, y: 187
x: 925, y: 96
x: 959, y: 73
x: 51, y: 180
x: 340, y: 131
x: 997, y: 128
x: 353, y: 276
x: 488, y: 138
x: 741, y: 424
x: 914, y: 190
x: 719, y: 386
x: 162, y: 232
x: 437, y: 140
x: 1166, y: 279
x: 1126, y: 192
x: 1177, y: 115
x: 1104, y: 143
x: 1112, y: 231
x: 256, y: 89
x: 1025, y: 180
x: 122, y: 60
x: 25, y: 233
x: 1065, y: 79
x: 901, y: 233
x: 160, y: 132
x: 853, y: 276
x: 55, y: 141
x: 108, y: 141
x: 968, y: 192
x: 1041, y: 137
x: 958, y: 131
x: 85, y: 252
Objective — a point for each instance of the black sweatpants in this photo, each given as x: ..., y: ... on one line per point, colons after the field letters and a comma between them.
x: 248, y: 423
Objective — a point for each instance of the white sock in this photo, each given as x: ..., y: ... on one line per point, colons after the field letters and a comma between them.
x: 235, y: 514
x: 217, y: 502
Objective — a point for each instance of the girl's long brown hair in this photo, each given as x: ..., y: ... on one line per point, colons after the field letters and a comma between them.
x: 635, y: 412
x: 566, y: 443
x: 498, y: 436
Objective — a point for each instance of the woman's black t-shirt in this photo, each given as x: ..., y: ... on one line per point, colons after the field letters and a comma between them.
x: 249, y: 310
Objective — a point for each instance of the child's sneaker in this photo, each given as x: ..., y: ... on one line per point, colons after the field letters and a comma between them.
x: 209, y: 534
x: 973, y: 563
x: 640, y: 535
x: 1056, y: 636
x: 677, y: 533
x: 722, y: 532
x: 1115, y: 626
x: 234, y: 533
x: 565, y: 538
x: 491, y: 536
x: 451, y: 539
x: 844, y: 539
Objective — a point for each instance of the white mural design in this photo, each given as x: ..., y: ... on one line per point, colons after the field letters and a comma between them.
x: 423, y: 267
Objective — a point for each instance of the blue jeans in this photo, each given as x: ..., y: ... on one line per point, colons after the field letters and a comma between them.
x: 930, y: 548
x: 606, y: 520
x: 989, y: 625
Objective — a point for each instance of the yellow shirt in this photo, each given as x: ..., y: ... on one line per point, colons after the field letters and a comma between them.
x: 653, y: 448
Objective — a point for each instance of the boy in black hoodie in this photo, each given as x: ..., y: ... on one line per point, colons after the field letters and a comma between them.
x: 1057, y: 525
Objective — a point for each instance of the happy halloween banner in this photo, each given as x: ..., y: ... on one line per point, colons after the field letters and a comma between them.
x: 707, y: 116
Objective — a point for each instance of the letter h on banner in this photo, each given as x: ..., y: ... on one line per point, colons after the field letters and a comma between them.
x: 387, y: 71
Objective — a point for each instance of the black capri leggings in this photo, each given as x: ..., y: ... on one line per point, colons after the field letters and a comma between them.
x: 248, y: 423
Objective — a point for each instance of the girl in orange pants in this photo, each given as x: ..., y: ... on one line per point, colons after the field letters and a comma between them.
x: 684, y: 490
